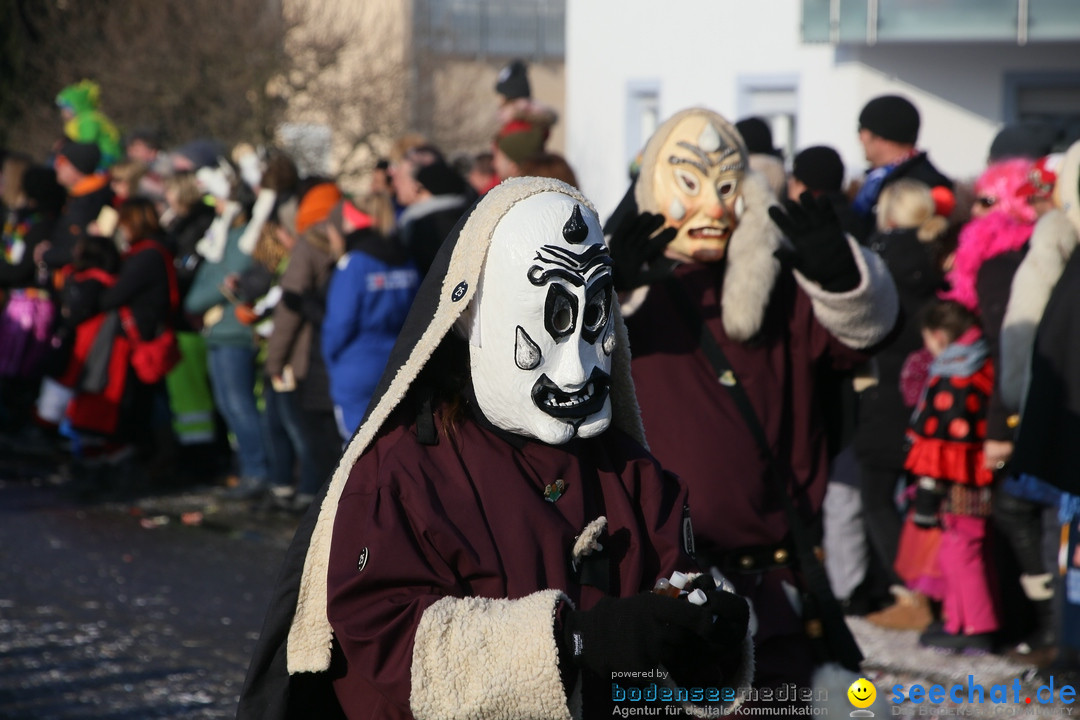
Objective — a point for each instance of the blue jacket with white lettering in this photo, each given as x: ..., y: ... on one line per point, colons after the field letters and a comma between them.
x: 370, y: 294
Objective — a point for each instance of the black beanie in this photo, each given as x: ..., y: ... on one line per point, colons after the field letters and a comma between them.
x: 438, y: 178
x: 891, y: 117
x: 757, y: 135
x: 819, y: 168
x: 83, y: 156
x: 513, y: 83
x: 1024, y: 140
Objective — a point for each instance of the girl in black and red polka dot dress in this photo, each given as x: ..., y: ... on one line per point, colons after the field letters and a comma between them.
x: 953, y: 487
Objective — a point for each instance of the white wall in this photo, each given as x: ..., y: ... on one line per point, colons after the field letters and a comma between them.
x: 701, y: 52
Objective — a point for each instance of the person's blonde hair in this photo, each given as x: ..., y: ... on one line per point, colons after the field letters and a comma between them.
x: 404, y: 143
x: 269, y: 252
x: 187, y: 189
x: 907, y: 204
x: 381, y: 210
x: 12, y: 170
x: 129, y: 171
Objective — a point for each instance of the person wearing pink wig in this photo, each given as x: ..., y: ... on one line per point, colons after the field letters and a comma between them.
x: 989, y: 251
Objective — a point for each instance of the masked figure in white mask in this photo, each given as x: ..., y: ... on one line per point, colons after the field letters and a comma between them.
x: 488, y: 544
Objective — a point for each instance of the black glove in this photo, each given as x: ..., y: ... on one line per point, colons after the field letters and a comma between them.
x: 820, y: 251
x: 641, y: 632
x: 637, y: 255
x: 927, y: 504
x: 714, y: 657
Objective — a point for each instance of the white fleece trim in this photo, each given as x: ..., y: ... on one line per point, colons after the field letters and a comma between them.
x: 861, y: 317
x: 588, y: 541
x: 483, y: 658
x: 752, y: 266
x: 1051, y: 245
x: 310, y: 635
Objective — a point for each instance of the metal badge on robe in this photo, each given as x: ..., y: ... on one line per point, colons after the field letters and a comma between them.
x: 554, y: 491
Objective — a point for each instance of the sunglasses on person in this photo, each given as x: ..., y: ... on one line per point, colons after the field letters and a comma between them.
x: 986, y: 201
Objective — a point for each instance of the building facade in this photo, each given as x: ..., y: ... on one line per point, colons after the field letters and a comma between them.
x: 809, y: 66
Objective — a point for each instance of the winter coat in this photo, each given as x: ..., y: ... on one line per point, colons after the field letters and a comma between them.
x: 185, y: 232
x: 404, y: 504
x: 84, y: 202
x: 143, y: 286
x: 1047, y: 446
x: 1052, y: 244
x: 23, y: 230
x: 993, y: 284
x: 425, y: 225
x: 205, y: 293
x: 366, y: 306
x: 297, y: 324
x: 97, y: 410
x: 90, y: 125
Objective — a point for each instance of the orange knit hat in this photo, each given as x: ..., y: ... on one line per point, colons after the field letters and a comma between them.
x: 316, y: 205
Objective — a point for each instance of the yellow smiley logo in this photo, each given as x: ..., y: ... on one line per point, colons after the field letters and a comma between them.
x: 862, y: 693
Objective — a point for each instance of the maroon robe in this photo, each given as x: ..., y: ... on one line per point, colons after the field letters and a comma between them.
x: 695, y: 429
x: 468, y: 517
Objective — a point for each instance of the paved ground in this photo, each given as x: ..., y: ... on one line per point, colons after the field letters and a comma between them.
x: 150, y: 609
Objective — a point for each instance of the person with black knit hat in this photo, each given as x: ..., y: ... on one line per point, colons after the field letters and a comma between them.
x: 888, y: 130
x: 88, y: 191
x: 820, y: 171
x: 434, y: 196
x: 524, y: 123
x: 513, y: 81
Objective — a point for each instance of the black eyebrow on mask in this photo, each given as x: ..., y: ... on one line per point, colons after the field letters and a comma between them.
x: 725, y: 151
x: 564, y: 263
x: 701, y: 163
x: 676, y: 160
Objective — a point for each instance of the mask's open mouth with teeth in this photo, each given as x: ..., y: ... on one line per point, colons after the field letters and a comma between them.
x: 709, y: 233
x: 561, y: 404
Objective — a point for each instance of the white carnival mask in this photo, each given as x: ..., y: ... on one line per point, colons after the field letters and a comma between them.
x: 541, y: 331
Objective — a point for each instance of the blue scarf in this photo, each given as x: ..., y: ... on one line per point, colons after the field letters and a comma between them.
x: 866, y: 198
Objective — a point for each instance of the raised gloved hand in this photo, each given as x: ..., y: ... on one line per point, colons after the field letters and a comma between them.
x: 637, y: 251
x: 644, y: 631
x: 819, y: 249
x: 927, y: 503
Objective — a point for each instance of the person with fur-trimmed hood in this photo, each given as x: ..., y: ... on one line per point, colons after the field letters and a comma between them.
x: 487, y: 545
x: 722, y: 275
